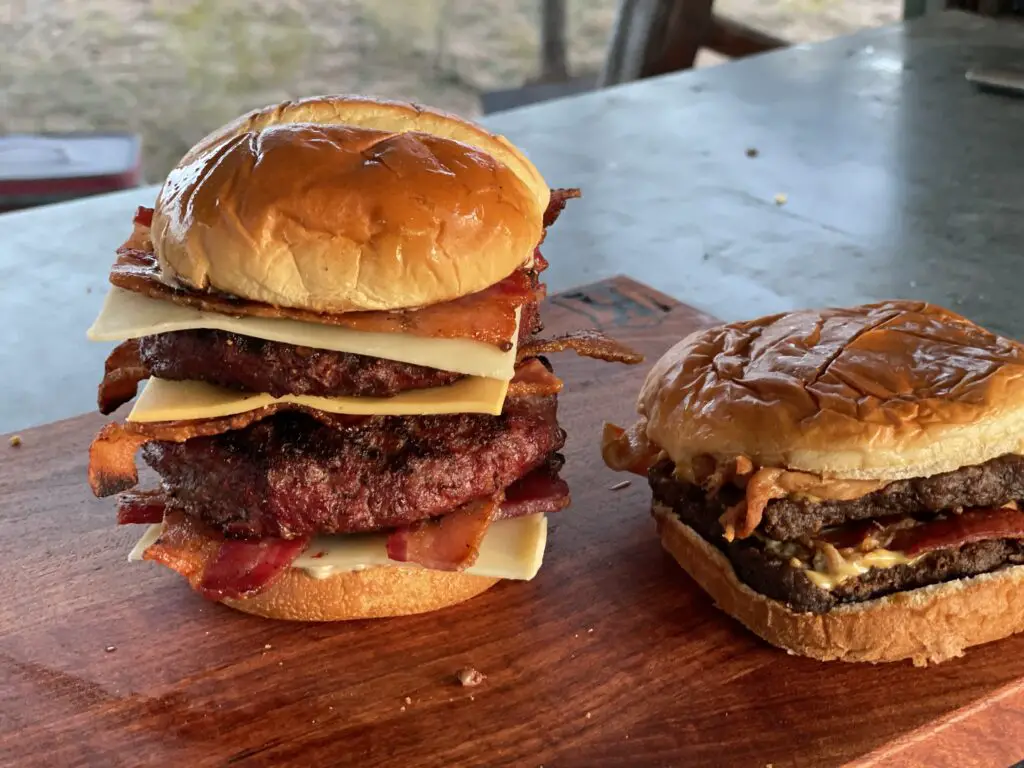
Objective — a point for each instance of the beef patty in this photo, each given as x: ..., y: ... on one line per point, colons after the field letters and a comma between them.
x: 256, y: 365
x: 773, y: 576
x: 249, y: 364
x: 990, y: 484
x: 290, y: 475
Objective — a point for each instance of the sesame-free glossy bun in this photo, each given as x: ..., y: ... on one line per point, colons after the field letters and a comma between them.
x: 341, y: 204
x: 883, y: 391
x: 373, y: 593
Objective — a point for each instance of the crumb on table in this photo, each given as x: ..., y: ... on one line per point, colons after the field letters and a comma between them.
x: 470, y: 677
x: 15, y: 441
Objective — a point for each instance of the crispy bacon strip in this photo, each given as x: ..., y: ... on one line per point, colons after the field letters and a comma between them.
x: 740, y: 520
x: 112, y: 460
x: 587, y: 343
x: 629, y: 450
x: 140, y: 239
x: 221, y: 568
x: 243, y: 568
x: 141, y: 507
x: 123, y: 371
x: 713, y: 475
x: 487, y: 316
x: 143, y: 217
x: 540, y: 492
x: 448, y: 543
x: 957, y: 530
x: 556, y: 204
x: 539, y: 263
x: 533, y: 379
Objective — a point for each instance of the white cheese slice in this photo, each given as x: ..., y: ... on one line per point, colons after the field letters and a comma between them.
x: 511, y: 549
x: 163, y: 400
x: 129, y: 315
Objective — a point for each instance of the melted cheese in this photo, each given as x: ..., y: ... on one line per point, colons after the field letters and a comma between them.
x: 511, y: 549
x: 129, y: 315
x: 857, y: 565
x: 163, y: 400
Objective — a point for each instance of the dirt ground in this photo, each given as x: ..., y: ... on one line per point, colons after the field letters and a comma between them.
x: 173, y: 69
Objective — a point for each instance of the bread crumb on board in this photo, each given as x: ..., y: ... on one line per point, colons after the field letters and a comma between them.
x: 470, y: 678
x: 15, y: 441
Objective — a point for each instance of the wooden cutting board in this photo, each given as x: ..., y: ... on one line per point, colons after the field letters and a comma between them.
x: 611, y: 656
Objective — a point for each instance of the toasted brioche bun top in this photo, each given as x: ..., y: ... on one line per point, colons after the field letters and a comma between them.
x: 340, y: 204
x: 884, y: 391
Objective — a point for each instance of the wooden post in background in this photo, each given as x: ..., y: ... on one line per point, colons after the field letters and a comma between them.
x: 553, y: 64
x: 653, y: 37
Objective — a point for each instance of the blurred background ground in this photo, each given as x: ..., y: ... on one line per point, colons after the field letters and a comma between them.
x: 173, y: 69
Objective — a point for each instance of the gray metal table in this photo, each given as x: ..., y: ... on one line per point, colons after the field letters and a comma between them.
x: 901, y: 181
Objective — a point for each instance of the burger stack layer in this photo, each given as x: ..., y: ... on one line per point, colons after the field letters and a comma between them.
x: 334, y: 304
x: 846, y: 482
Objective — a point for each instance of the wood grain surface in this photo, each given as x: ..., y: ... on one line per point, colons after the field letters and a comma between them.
x: 610, y: 657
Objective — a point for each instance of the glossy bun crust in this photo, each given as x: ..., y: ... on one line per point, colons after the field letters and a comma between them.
x: 372, y: 593
x: 344, y: 204
x: 884, y: 391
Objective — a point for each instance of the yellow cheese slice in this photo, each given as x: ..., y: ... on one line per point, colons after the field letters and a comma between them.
x: 511, y: 549
x: 129, y: 315
x: 163, y: 400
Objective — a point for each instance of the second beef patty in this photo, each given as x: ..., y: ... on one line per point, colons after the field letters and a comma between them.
x: 291, y: 475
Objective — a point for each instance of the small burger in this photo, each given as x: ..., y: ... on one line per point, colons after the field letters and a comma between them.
x: 334, y: 304
x: 845, y: 482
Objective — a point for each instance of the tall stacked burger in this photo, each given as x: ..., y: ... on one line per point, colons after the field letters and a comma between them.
x: 845, y: 482
x: 334, y: 304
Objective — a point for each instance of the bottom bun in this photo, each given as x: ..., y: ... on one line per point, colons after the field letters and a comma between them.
x: 373, y: 593
x: 186, y: 547
x: 927, y: 625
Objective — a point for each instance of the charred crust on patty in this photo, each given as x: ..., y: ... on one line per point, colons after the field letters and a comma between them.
x: 290, y: 475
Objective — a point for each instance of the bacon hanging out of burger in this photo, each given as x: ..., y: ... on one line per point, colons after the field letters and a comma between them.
x: 334, y: 308
x: 845, y: 482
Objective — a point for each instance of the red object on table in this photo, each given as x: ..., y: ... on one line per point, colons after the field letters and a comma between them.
x: 35, y: 170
